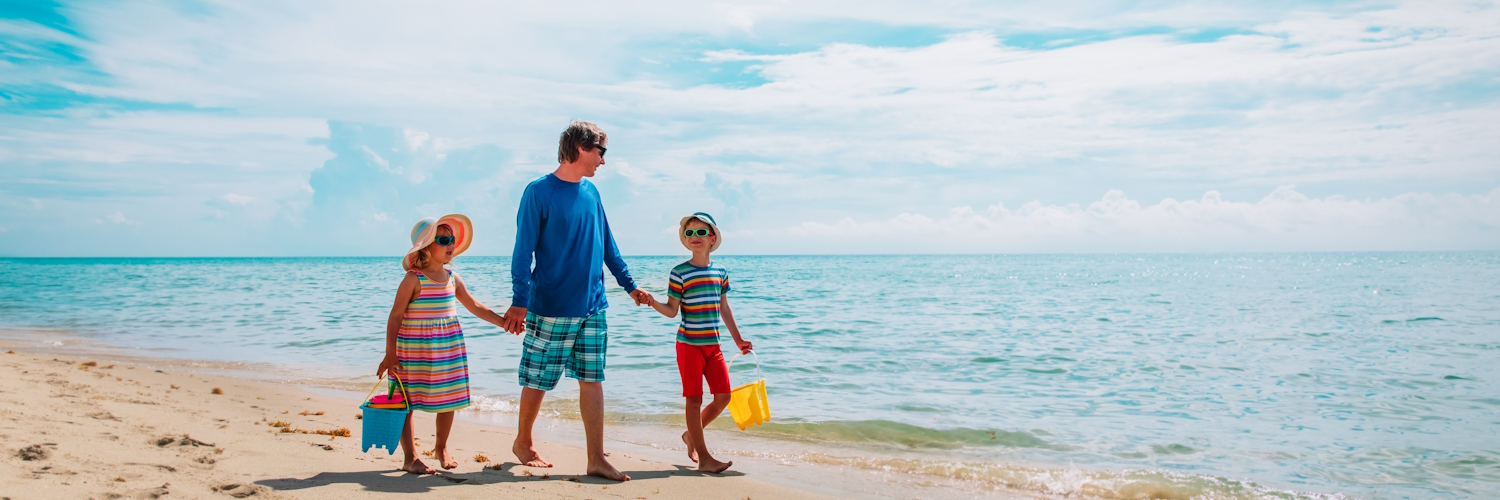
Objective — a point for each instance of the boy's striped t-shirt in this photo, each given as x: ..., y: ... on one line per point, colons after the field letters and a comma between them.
x: 699, y: 290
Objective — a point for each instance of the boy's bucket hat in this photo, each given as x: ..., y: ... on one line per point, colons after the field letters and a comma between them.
x: 707, y: 219
x: 425, y: 231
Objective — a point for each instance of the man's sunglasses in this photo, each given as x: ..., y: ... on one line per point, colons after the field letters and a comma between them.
x: 602, y: 150
x: 696, y: 232
x: 443, y: 241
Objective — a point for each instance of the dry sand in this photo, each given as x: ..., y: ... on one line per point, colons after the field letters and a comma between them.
x: 75, y: 428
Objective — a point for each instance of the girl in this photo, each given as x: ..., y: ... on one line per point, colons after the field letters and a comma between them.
x: 424, y: 345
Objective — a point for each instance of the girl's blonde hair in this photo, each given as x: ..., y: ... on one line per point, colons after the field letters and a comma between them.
x: 420, y: 260
x: 423, y: 256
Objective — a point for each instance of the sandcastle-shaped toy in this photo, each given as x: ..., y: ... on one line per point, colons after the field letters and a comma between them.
x: 384, y: 416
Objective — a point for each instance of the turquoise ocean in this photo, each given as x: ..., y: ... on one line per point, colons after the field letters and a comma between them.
x: 1316, y: 375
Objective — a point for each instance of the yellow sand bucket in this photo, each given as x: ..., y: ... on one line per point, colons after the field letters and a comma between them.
x: 747, y: 403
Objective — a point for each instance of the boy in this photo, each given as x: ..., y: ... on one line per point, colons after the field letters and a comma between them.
x: 699, y: 289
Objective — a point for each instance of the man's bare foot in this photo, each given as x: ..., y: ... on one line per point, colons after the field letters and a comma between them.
x: 712, y: 466
x: 692, y: 450
x: 528, y: 456
x: 445, y: 458
x: 603, y: 469
x: 417, y: 467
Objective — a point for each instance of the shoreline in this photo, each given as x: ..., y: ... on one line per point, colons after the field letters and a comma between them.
x: 71, y: 396
x: 93, y: 427
x: 763, y: 463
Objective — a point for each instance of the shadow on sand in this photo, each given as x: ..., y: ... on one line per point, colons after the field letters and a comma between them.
x: 395, y: 481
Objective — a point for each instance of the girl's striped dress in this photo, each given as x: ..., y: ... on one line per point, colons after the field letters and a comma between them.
x: 430, y: 345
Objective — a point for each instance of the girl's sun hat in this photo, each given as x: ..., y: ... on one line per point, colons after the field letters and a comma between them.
x: 425, y: 231
x: 707, y: 219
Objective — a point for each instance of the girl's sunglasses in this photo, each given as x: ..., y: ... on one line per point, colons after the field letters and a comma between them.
x: 443, y: 241
x: 696, y: 232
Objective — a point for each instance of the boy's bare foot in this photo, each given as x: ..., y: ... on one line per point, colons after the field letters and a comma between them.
x: 528, y: 456
x: 445, y: 458
x: 417, y: 467
x: 712, y: 466
x: 603, y: 469
x: 692, y: 450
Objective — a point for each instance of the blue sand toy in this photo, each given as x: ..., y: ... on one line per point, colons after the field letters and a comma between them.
x: 382, y: 426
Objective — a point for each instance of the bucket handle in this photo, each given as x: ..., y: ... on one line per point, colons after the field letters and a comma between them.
x: 392, y: 374
x: 757, y: 364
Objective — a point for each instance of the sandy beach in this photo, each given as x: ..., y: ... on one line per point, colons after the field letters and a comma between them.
x: 90, y: 428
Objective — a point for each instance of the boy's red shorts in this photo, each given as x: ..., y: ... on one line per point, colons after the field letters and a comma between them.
x: 697, y: 362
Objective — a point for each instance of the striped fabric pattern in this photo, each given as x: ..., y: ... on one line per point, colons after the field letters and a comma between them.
x: 699, y: 290
x: 430, y: 345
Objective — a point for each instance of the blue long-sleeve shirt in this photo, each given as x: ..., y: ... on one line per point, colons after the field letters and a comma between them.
x: 563, y: 224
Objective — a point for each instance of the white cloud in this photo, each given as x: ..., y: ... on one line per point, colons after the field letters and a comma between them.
x: 119, y: 218
x: 738, y: 17
x: 736, y: 55
x: 1361, y: 99
x: 415, y: 139
x: 158, y: 136
x: 1284, y: 220
x: 28, y: 204
x: 1239, y: 108
x: 238, y: 199
x: 737, y: 196
x: 1299, y: 103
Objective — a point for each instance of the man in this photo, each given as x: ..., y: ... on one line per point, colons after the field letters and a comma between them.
x: 561, y: 222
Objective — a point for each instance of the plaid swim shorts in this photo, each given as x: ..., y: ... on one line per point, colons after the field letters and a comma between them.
x: 552, y: 344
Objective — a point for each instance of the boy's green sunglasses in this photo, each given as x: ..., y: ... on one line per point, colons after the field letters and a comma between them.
x: 697, y: 232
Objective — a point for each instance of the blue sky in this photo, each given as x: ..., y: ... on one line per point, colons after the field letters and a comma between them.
x: 298, y: 128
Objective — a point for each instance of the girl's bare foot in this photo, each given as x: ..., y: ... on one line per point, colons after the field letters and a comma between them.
x: 417, y: 467
x: 445, y: 458
x: 603, y: 469
x: 712, y: 466
x: 528, y: 456
x: 692, y: 450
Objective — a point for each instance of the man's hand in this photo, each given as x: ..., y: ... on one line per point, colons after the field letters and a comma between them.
x: 642, y: 297
x: 515, y: 320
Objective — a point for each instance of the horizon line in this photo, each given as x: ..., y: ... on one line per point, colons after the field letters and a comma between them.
x: 758, y: 255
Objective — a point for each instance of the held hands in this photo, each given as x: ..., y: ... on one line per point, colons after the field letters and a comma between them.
x: 514, y: 320
x: 499, y: 324
x: 643, y: 297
